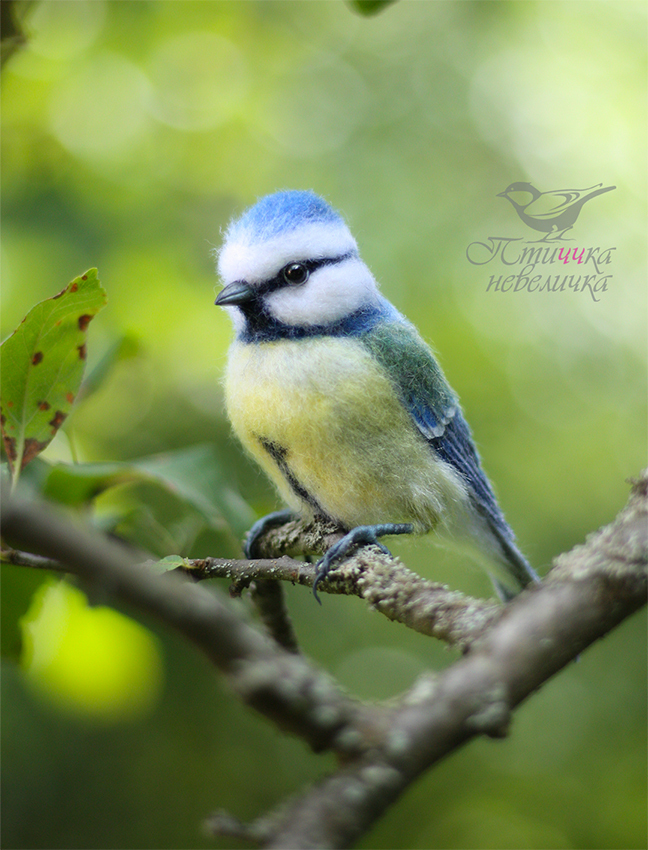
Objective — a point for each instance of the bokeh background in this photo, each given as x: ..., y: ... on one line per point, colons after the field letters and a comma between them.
x: 132, y: 132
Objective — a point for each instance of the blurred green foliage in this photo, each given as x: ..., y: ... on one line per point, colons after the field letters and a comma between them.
x: 131, y: 133
x: 89, y: 660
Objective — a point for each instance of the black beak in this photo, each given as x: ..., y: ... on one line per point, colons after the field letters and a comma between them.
x: 235, y: 293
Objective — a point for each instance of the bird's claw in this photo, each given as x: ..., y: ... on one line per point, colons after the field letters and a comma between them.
x: 362, y: 535
x: 260, y: 527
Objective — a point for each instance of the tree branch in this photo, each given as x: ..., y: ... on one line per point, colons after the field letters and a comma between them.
x: 383, y: 581
x: 279, y: 684
x: 268, y: 596
x: 593, y: 588
x: 27, y: 559
x: 383, y: 749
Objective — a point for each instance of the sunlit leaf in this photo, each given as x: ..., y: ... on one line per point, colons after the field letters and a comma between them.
x: 42, y: 367
x: 89, y: 661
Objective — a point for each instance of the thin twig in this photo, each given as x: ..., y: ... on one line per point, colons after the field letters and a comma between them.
x: 383, y: 581
x: 280, y: 684
x: 268, y: 596
x: 27, y: 559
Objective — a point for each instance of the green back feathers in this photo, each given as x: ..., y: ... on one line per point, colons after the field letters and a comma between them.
x: 417, y: 376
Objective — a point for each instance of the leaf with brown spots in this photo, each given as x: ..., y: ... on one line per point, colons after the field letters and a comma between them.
x: 84, y: 321
x: 42, y: 367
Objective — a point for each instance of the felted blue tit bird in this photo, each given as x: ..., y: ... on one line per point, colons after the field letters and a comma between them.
x: 338, y: 398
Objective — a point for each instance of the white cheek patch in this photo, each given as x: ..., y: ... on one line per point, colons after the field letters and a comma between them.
x: 243, y: 259
x: 330, y: 293
x: 237, y: 317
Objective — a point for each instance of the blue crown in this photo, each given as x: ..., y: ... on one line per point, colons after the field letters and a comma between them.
x: 282, y: 212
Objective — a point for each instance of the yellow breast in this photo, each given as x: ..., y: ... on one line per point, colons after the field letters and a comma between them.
x: 322, y: 418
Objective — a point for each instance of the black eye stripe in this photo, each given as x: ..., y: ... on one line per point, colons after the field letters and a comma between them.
x: 279, y: 282
x: 311, y: 265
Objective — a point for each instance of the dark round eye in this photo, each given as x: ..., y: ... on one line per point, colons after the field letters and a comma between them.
x: 295, y: 274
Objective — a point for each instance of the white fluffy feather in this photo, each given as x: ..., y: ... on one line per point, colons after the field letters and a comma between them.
x: 243, y: 258
x: 331, y: 293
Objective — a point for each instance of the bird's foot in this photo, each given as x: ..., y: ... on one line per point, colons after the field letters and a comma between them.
x: 262, y: 525
x: 362, y: 535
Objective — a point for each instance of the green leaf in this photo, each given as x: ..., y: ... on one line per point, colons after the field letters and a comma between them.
x: 42, y: 367
x: 193, y: 475
x: 369, y: 7
x: 171, y: 562
x: 79, y: 483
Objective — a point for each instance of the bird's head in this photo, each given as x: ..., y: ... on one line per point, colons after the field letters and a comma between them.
x: 291, y: 259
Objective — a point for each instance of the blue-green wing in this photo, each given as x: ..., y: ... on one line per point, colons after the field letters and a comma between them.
x: 435, y: 409
x: 415, y: 373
